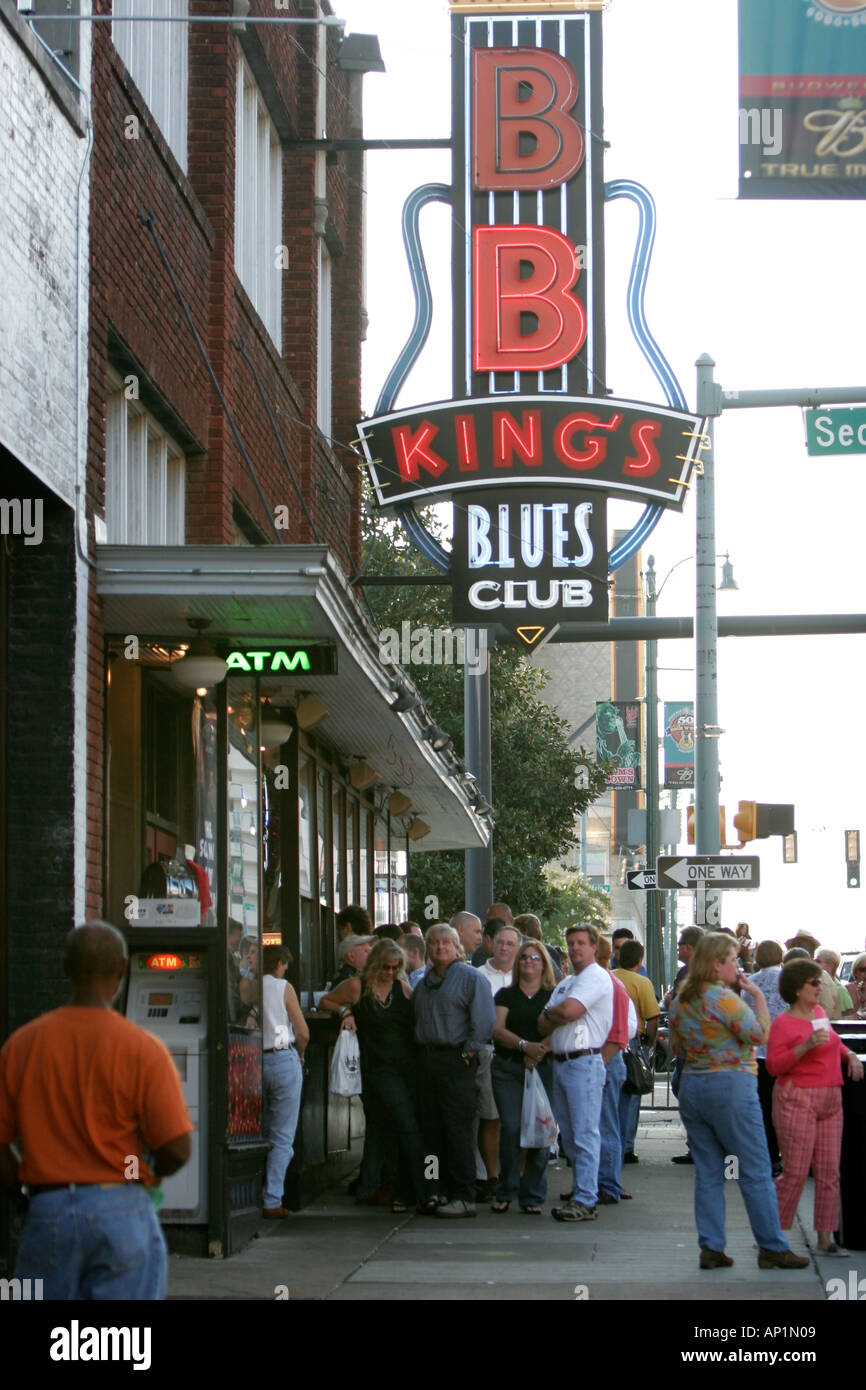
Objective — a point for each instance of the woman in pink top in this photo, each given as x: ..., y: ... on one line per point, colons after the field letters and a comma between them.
x: 806, y: 1055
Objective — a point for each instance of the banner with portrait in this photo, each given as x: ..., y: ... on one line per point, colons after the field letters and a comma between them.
x: 617, y: 738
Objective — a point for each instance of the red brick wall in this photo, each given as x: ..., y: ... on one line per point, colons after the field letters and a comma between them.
x: 194, y: 218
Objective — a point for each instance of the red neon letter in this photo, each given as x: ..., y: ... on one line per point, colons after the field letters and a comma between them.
x: 646, y: 461
x: 411, y: 450
x: 510, y: 438
x: 501, y: 296
x: 595, y: 450
x: 522, y: 97
x: 467, y: 447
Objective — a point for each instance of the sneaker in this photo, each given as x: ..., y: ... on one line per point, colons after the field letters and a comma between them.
x: 781, y: 1259
x: 682, y: 1158
x: 630, y: 1157
x: 457, y: 1208
x: 714, y: 1259
x: 276, y: 1213
x: 605, y: 1199
x: 574, y: 1211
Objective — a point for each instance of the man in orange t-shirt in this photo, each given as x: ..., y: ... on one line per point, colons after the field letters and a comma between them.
x: 83, y: 1090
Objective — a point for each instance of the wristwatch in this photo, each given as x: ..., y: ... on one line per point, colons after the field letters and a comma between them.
x: 521, y: 1044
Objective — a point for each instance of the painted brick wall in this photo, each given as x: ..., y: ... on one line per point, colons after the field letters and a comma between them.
x: 42, y: 154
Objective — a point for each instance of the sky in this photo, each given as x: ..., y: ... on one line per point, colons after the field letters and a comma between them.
x: 774, y: 293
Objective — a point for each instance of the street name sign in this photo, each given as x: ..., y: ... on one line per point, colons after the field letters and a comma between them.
x: 709, y: 871
x: 639, y: 879
x: 841, y: 431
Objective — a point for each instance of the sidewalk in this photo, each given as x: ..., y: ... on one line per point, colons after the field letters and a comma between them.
x: 646, y: 1248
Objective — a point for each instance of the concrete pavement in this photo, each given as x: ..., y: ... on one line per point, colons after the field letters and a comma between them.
x: 337, y: 1251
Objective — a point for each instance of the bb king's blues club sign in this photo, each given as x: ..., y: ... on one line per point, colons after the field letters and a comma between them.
x: 531, y: 445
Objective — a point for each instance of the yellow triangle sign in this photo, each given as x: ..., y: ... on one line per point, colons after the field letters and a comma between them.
x: 530, y: 635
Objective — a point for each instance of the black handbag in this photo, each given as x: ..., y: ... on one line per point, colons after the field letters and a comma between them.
x: 638, y: 1072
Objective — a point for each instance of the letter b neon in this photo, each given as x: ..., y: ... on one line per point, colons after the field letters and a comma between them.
x: 557, y: 317
x: 522, y: 134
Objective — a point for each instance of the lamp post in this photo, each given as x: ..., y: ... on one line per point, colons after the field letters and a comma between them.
x: 657, y: 923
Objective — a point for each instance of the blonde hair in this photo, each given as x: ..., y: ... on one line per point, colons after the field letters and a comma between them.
x: 711, y: 950
x: 382, y: 953
x: 548, y: 979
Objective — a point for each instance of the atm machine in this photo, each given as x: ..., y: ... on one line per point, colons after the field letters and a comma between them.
x: 167, y: 996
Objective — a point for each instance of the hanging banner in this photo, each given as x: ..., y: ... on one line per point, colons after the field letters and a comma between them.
x: 679, y: 743
x: 802, y: 117
x: 617, y: 738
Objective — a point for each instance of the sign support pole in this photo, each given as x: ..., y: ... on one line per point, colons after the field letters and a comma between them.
x: 477, y: 755
x: 654, y: 951
x: 707, y: 838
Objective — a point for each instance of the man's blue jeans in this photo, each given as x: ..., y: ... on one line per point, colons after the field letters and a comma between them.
x: 282, y: 1080
x: 94, y: 1243
x: 578, y: 1086
x: 508, y: 1083
x: 610, y: 1162
x: 723, y: 1120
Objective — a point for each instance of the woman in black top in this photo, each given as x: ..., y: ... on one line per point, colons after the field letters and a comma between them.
x: 378, y: 1006
x: 519, y: 1047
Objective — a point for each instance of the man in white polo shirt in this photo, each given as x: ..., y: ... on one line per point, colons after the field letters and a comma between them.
x: 578, y: 1019
x: 497, y: 973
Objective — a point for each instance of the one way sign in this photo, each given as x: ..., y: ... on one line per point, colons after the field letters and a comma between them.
x: 709, y: 871
x: 640, y: 878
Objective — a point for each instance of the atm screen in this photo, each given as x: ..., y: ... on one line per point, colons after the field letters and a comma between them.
x: 159, y: 1000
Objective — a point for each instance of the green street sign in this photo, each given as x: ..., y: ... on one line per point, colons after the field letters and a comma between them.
x: 839, y: 431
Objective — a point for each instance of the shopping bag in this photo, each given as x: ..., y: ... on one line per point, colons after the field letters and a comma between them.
x: 638, y: 1071
x: 346, y: 1065
x: 537, y: 1125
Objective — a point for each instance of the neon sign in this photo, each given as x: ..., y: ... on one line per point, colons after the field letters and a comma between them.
x: 318, y: 660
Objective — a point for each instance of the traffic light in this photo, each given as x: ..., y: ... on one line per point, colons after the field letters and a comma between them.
x: 852, y: 857
x: 690, y: 825
x: 755, y: 821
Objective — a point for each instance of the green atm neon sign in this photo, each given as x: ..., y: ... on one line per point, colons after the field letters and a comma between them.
x: 319, y: 659
x: 266, y: 660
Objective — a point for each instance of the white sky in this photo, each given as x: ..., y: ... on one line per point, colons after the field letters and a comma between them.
x: 774, y: 291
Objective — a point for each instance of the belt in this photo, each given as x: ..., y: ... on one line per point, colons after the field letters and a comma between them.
x: 570, y: 1056
x: 278, y: 1049
x: 442, y: 1047
x: 34, y: 1189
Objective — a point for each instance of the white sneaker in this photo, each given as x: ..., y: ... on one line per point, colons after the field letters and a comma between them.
x: 457, y: 1208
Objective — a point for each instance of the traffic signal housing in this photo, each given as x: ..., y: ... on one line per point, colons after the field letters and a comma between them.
x: 690, y: 827
x: 852, y: 857
x: 756, y: 821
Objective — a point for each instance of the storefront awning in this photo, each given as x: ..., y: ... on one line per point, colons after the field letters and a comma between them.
x: 291, y: 594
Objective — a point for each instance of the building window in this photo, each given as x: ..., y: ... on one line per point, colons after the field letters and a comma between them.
x: 258, y: 204
x: 157, y: 59
x: 145, y: 473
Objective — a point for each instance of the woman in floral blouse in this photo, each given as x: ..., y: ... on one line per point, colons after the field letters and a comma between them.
x: 716, y: 1032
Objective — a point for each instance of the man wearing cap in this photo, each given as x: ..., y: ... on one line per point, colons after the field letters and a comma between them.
x: 352, y: 952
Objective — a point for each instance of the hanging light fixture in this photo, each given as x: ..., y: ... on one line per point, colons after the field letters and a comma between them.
x: 438, y: 737
x: 200, y: 668
x: 362, y: 775
x: 274, y: 730
x: 727, y: 580
x: 398, y: 802
x: 417, y: 828
x: 310, y: 712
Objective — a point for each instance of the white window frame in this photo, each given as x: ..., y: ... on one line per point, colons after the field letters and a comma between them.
x: 145, y: 475
x: 258, y: 203
x: 157, y: 59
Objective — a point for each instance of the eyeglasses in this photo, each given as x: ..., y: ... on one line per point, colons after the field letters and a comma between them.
x: 395, y: 967
x: 816, y: 983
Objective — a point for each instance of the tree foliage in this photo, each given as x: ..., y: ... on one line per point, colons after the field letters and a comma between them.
x: 540, y: 783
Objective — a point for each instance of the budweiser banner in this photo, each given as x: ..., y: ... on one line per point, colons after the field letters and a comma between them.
x: 802, y: 117
x: 679, y: 743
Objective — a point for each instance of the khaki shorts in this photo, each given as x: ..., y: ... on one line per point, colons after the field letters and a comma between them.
x: 486, y: 1103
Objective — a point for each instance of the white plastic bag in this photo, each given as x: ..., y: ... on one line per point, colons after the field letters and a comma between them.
x: 537, y: 1125
x: 346, y: 1065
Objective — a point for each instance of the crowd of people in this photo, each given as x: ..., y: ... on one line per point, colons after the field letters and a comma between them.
x: 451, y: 1023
